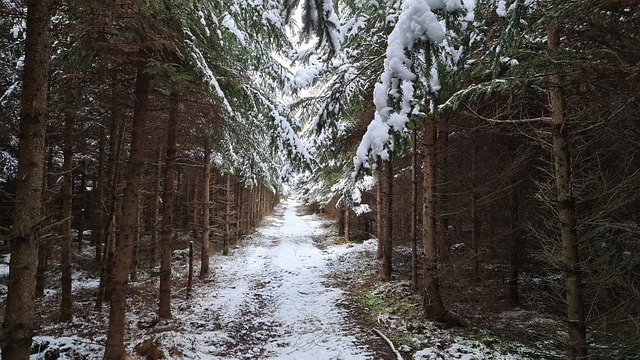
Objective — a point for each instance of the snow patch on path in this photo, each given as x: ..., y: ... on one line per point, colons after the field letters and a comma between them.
x: 270, y: 299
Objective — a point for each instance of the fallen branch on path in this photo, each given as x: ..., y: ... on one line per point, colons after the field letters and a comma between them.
x: 389, y: 342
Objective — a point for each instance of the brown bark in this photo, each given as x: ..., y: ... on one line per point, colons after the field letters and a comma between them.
x: 190, y: 276
x: 128, y: 222
x: 432, y: 303
x: 164, y: 308
x: 206, y: 207
x: 227, y: 215
x: 251, y: 211
x: 18, y: 324
x: 565, y: 203
x: 44, y: 247
x: 387, y: 220
x: 197, y: 210
x: 99, y: 201
x: 66, y: 302
x: 116, y: 141
x: 155, y: 210
x: 414, y: 208
x: 347, y: 224
x: 379, y: 211
x: 475, y: 260
x: 133, y: 272
x: 83, y: 212
x: 240, y: 210
x: 341, y: 219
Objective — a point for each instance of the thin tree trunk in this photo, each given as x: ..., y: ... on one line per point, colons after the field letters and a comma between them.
x: 475, y: 260
x: 432, y: 303
x: 251, y: 209
x: 387, y: 221
x: 347, y: 224
x: 18, y: 325
x: 260, y: 203
x: 83, y: 201
x: 206, y: 207
x: 379, y: 211
x: 185, y: 184
x: 197, y: 214
x: 566, y: 209
x: 443, y: 163
x: 49, y: 181
x: 116, y: 140
x: 248, y: 207
x: 155, y: 212
x: 44, y: 247
x: 164, y: 308
x: 514, y: 253
x: 133, y: 273
x: 341, y: 219
x: 99, y: 201
x: 114, y: 348
x: 66, y: 302
x: 237, y: 210
x: 239, y: 197
x: 190, y: 276
x: 414, y: 208
x: 227, y: 216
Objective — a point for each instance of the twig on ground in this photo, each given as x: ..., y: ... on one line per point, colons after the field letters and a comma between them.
x: 389, y: 342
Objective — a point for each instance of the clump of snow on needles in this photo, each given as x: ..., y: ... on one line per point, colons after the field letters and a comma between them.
x: 416, y: 23
x: 362, y: 209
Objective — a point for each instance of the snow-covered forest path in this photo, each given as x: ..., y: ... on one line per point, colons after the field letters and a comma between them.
x: 270, y: 299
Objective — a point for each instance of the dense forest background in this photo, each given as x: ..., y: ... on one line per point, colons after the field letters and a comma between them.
x: 498, y: 140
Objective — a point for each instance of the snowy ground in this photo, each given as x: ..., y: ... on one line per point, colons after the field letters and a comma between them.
x: 269, y: 299
x: 289, y: 291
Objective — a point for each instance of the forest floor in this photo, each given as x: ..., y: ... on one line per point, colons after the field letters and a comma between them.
x: 291, y: 290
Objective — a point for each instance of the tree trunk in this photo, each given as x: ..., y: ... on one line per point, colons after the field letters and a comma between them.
x: 442, y: 163
x: 116, y: 140
x: 227, y: 216
x: 18, y: 325
x: 155, y: 211
x: 432, y: 303
x: 387, y: 221
x: 50, y: 179
x: 475, y: 247
x: 341, y: 219
x: 206, y: 207
x: 66, y: 302
x: 99, y: 201
x: 251, y: 210
x: 184, y: 195
x: 83, y: 201
x: 190, y: 275
x: 164, y: 308
x: 566, y: 208
x: 379, y: 212
x: 133, y: 272
x: 124, y: 247
x: 44, y: 247
x: 347, y: 224
x: 197, y: 210
x: 239, y: 207
x: 414, y: 208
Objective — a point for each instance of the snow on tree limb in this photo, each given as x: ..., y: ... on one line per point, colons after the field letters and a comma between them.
x: 210, y: 78
x: 416, y: 23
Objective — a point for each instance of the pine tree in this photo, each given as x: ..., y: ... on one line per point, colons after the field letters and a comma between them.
x: 19, y: 320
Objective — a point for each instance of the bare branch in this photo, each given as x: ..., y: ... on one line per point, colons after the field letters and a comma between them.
x: 389, y: 342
